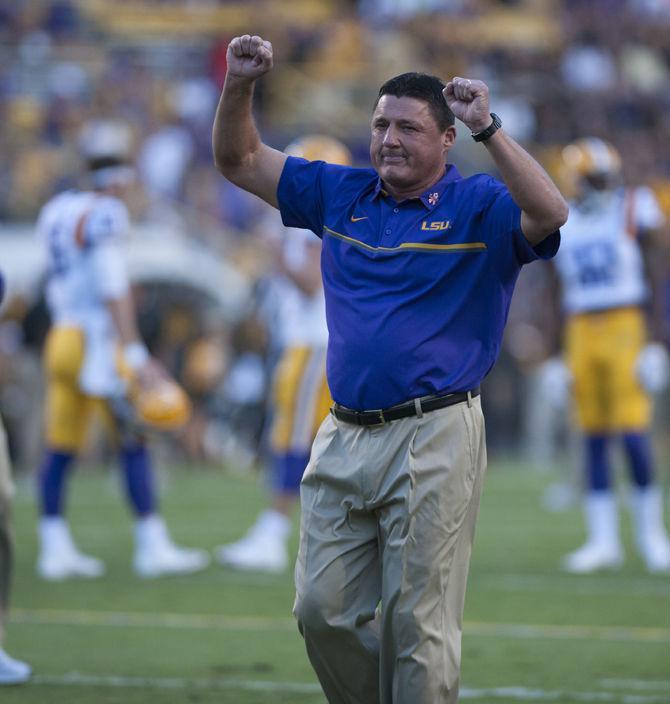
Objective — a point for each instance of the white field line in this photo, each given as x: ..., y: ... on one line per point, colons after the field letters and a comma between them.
x: 567, y: 584
x: 525, y: 694
x: 152, y: 620
x: 175, y: 683
x: 642, y: 685
x: 258, y: 623
x: 76, y: 678
x: 632, y: 634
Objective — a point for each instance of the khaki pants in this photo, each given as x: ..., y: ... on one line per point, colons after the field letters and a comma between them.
x: 5, y: 530
x: 388, y: 515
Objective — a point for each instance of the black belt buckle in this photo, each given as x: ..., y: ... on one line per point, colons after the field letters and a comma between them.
x: 381, y: 421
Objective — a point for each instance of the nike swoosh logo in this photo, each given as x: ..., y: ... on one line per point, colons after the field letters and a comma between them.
x: 353, y: 219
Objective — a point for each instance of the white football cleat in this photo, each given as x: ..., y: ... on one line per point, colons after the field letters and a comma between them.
x: 602, y: 550
x: 59, y: 558
x: 156, y: 555
x: 257, y: 555
x: 169, y: 560
x: 651, y: 537
x: 655, y: 551
x: 55, y: 567
x: 262, y: 549
x: 592, y: 557
x: 13, y: 671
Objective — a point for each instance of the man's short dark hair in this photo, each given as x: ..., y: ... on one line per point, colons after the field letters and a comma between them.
x: 423, y: 87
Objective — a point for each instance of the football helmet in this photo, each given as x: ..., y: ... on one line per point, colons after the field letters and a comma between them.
x: 592, y: 157
x: 319, y: 147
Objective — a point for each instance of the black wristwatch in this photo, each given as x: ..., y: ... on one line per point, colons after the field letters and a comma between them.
x: 490, y: 130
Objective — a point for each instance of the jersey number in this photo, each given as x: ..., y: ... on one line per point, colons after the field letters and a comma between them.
x: 595, y: 264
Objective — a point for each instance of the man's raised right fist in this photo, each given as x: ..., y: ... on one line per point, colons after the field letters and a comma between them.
x: 249, y: 57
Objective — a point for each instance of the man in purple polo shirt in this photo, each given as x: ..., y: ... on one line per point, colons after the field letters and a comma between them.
x: 419, y: 266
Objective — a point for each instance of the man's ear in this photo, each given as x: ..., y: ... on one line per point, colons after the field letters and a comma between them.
x: 449, y: 137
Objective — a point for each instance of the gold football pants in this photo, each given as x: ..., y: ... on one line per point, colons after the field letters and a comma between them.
x: 602, y: 350
x: 301, y: 399
x: 68, y: 410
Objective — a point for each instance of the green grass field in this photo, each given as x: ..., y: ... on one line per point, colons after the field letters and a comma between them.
x: 532, y: 634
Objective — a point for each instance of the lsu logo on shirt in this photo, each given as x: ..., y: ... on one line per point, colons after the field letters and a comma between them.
x: 436, y: 225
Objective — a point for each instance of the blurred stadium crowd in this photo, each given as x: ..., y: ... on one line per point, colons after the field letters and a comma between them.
x: 557, y: 69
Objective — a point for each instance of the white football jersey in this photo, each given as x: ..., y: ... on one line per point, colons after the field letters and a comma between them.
x: 301, y: 318
x: 83, y: 233
x: 600, y: 263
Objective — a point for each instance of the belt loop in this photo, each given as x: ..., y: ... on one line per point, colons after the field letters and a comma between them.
x: 417, y: 407
x: 469, y: 399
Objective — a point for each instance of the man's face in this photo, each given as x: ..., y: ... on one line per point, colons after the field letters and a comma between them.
x: 407, y: 147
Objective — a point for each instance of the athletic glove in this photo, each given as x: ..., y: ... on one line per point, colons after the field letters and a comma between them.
x: 555, y: 381
x: 653, y: 367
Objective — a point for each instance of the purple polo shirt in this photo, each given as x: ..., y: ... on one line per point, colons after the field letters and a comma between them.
x: 417, y: 292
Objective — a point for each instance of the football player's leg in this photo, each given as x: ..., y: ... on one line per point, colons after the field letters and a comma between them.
x: 265, y: 545
x: 633, y: 420
x: 633, y: 408
x: 66, y: 416
x: 155, y: 554
x: 637, y: 446
x: 301, y: 402
x: 632, y: 413
x: 52, y: 479
x: 67, y: 411
x: 593, y: 393
x: 646, y: 504
x: 139, y: 481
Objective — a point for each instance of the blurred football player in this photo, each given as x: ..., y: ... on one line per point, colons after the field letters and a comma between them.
x: 94, y: 361
x: 12, y: 671
x: 614, y: 367
x: 301, y: 399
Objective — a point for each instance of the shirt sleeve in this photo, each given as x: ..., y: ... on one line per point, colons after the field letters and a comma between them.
x: 109, y: 266
x: 106, y: 227
x: 300, y: 194
x: 502, y: 218
x: 107, y: 220
x: 648, y: 215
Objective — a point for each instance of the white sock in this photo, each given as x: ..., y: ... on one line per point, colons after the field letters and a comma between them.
x: 647, y: 512
x: 54, y: 533
x: 602, y: 519
x: 274, y: 523
x: 149, y: 531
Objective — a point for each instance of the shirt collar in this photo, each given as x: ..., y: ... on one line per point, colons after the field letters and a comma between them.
x: 432, y: 196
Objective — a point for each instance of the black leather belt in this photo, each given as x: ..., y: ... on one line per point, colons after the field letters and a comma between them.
x: 417, y: 407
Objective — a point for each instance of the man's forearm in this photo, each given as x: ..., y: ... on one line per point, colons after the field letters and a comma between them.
x: 122, y: 311
x: 544, y: 208
x: 234, y: 135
